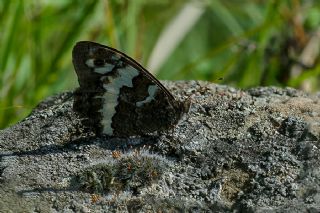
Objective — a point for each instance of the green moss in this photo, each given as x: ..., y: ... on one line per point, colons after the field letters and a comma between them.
x: 138, y: 171
x: 96, y: 179
x: 130, y: 172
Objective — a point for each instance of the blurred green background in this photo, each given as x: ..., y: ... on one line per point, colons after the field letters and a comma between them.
x: 235, y: 42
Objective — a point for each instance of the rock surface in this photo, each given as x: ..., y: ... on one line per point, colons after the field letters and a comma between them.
x: 255, y: 150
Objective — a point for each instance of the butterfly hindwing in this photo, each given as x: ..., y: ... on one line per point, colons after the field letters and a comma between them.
x: 117, y: 96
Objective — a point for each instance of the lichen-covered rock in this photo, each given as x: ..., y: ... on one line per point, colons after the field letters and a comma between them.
x: 253, y: 150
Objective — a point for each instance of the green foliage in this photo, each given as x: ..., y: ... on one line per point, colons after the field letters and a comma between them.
x: 244, y: 43
x: 35, y: 58
x: 130, y: 172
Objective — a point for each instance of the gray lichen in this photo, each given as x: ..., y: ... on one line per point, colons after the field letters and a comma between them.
x: 255, y: 151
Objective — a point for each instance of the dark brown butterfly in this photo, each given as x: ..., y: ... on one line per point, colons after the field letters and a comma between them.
x: 117, y: 96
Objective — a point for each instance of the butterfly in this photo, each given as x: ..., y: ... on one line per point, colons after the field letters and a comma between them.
x: 118, y: 97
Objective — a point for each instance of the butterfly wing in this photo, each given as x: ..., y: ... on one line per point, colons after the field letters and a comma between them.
x: 118, y: 96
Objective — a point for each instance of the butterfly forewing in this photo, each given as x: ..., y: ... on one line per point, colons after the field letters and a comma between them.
x: 117, y: 96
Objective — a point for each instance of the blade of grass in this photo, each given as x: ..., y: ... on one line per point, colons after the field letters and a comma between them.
x: 67, y: 42
x: 5, y: 7
x: 9, y: 40
x: 226, y: 16
x: 173, y: 34
x: 110, y: 26
x: 134, y: 8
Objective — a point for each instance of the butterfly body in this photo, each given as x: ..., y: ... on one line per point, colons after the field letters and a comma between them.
x: 117, y: 96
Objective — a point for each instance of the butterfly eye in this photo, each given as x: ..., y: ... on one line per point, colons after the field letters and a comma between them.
x: 98, y: 62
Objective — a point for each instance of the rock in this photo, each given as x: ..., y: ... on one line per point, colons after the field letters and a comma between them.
x: 253, y: 150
